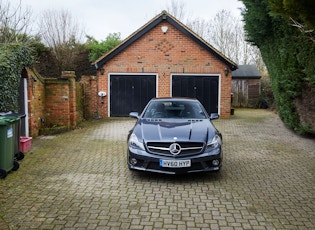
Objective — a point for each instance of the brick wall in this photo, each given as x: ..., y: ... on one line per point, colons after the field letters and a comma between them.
x: 36, y: 102
x: 91, y: 100
x: 166, y: 54
x: 60, y: 101
x: 52, y: 102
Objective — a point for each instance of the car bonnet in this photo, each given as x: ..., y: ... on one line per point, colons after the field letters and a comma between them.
x: 176, y: 130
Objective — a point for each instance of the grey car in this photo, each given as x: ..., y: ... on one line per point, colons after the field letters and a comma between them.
x: 172, y: 136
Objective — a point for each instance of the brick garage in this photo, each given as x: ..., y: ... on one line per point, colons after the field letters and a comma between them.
x: 177, y: 61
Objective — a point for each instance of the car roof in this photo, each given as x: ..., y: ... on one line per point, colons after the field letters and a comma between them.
x: 174, y: 99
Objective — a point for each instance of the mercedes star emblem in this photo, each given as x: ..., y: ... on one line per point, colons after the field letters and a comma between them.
x: 175, y: 149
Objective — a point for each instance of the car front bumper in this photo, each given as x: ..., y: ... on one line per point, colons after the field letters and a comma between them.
x: 143, y: 161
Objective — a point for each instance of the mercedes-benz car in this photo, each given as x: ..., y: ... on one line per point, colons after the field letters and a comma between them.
x: 172, y: 136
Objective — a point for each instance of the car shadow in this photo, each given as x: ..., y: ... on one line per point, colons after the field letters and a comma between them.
x: 177, y: 178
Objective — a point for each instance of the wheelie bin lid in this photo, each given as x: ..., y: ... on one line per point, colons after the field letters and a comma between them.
x: 8, y: 120
x: 12, y: 114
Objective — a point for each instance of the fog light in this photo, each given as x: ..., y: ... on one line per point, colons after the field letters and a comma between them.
x: 133, y: 161
x: 215, y: 162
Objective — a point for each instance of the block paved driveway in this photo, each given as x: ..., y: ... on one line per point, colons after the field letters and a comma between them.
x: 79, y: 180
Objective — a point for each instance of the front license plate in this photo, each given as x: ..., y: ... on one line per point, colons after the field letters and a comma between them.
x: 175, y: 163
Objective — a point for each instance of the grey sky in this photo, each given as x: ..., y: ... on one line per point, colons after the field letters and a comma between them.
x: 101, y: 17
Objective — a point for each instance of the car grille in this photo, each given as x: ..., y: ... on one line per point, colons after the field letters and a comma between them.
x: 187, y: 148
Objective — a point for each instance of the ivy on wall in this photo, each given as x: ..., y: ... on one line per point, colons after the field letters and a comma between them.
x: 13, y: 58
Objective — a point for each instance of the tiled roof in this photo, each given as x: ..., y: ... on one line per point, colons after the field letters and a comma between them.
x: 246, y: 71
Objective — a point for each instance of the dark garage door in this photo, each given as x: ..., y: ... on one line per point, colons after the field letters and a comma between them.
x: 204, y: 88
x: 129, y: 93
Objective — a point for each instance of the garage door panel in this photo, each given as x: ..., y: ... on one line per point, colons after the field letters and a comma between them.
x: 200, y: 89
x: 182, y: 87
x: 204, y: 88
x: 214, y: 93
x: 130, y: 93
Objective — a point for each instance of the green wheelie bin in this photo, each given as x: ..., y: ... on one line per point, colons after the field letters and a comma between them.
x: 7, y: 139
x: 19, y: 155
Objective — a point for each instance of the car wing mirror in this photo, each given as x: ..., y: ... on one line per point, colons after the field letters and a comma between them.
x: 214, y: 116
x: 134, y: 115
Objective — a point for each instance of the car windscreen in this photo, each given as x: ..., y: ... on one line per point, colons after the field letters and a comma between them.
x: 174, y: 109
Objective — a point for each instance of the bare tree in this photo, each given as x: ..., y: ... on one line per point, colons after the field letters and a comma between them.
x: 258, y: 60
x: 177, y: 9
x: 62, y: 34
x: 225, y: 32
x: 14, y: 20
x: 200, y: 27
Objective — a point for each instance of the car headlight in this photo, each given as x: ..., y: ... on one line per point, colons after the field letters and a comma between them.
x: 214, y: 143
x: 135, y: 143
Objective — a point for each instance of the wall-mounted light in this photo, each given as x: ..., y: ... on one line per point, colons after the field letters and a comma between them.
x: 226, y: 71
x: 101, y: 94
x: 102, y: 71
x: 164, y: 29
